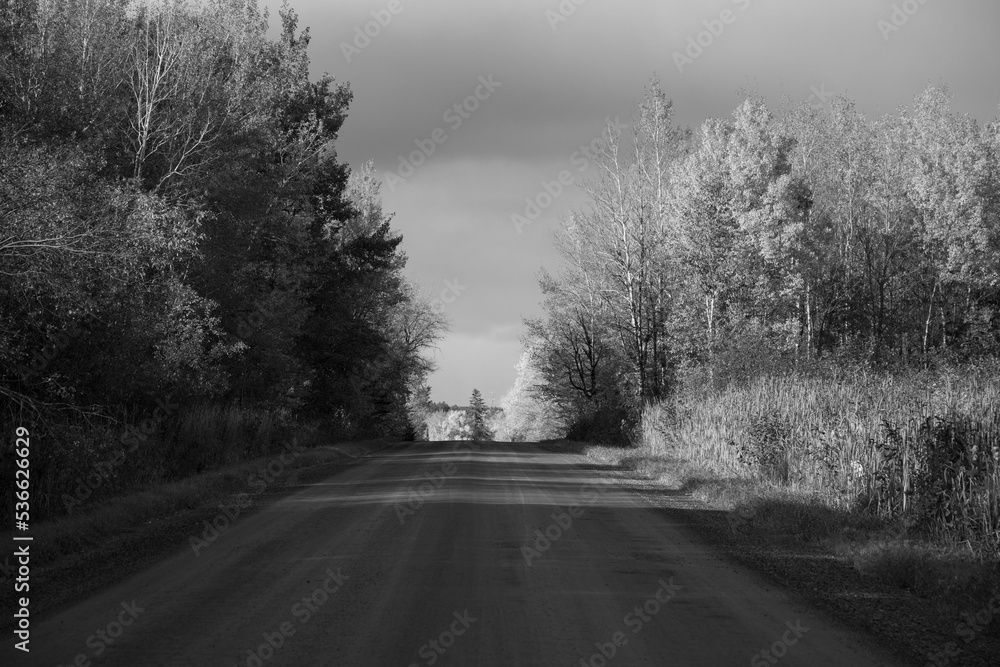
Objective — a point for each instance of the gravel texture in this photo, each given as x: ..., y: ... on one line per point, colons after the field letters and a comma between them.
x: 910, y: 626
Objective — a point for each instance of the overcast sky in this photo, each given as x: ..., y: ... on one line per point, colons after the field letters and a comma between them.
x: 554, y: 77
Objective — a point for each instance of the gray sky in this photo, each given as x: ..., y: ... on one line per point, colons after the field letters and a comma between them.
x: 560, y: 76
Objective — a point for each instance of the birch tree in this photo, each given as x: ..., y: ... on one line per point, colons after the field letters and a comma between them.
x: 952, y: 186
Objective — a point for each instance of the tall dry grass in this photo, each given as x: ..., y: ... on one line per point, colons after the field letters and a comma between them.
x: 83, y: 461
x: 210, y: 436
x: 923, y: 447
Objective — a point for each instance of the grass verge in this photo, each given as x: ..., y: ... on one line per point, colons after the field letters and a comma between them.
x: 105, y: 542
x: 945, y: 596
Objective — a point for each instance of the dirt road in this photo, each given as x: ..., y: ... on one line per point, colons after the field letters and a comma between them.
x: 448, y: 554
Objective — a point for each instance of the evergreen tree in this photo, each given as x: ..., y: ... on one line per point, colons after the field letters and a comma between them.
x: 479, y: 414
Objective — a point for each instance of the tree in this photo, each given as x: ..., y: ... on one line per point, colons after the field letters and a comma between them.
x: 171, y: 192
x: 765, y: 243
x: 478, y: 417
x: 952, y: 187
x: 526, y: 415
x: 604, y: 347
x: 740, y: 217
x: 106, y: 258
x: 621, y: 243
x: 449, y: 424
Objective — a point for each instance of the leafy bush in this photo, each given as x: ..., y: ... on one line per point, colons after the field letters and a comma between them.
x: 612, y: 426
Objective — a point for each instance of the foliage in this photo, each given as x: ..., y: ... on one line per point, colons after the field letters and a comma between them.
x: 175, y: 225
x: 525, y: 415
x: 449, y: 425
x: 763, y: 244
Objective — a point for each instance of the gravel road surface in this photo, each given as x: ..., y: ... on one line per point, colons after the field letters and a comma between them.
x: 449, y: 554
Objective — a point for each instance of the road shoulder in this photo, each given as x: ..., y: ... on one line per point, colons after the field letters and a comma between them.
x: 897, y: 619
x: 107, y: 559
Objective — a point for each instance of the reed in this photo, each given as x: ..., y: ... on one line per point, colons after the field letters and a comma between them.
x: 919, y: 446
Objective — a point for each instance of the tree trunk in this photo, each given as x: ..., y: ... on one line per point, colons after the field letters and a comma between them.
x: 927, y: 321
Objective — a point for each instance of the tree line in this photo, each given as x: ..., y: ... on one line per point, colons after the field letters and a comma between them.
x: 769, y: 242
x: 175, y: 222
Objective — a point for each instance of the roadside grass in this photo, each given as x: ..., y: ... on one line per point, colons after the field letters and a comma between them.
x: 95, y: 523
x: 90, y: 459
x: 214, y: 435
x: 896, y: 475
